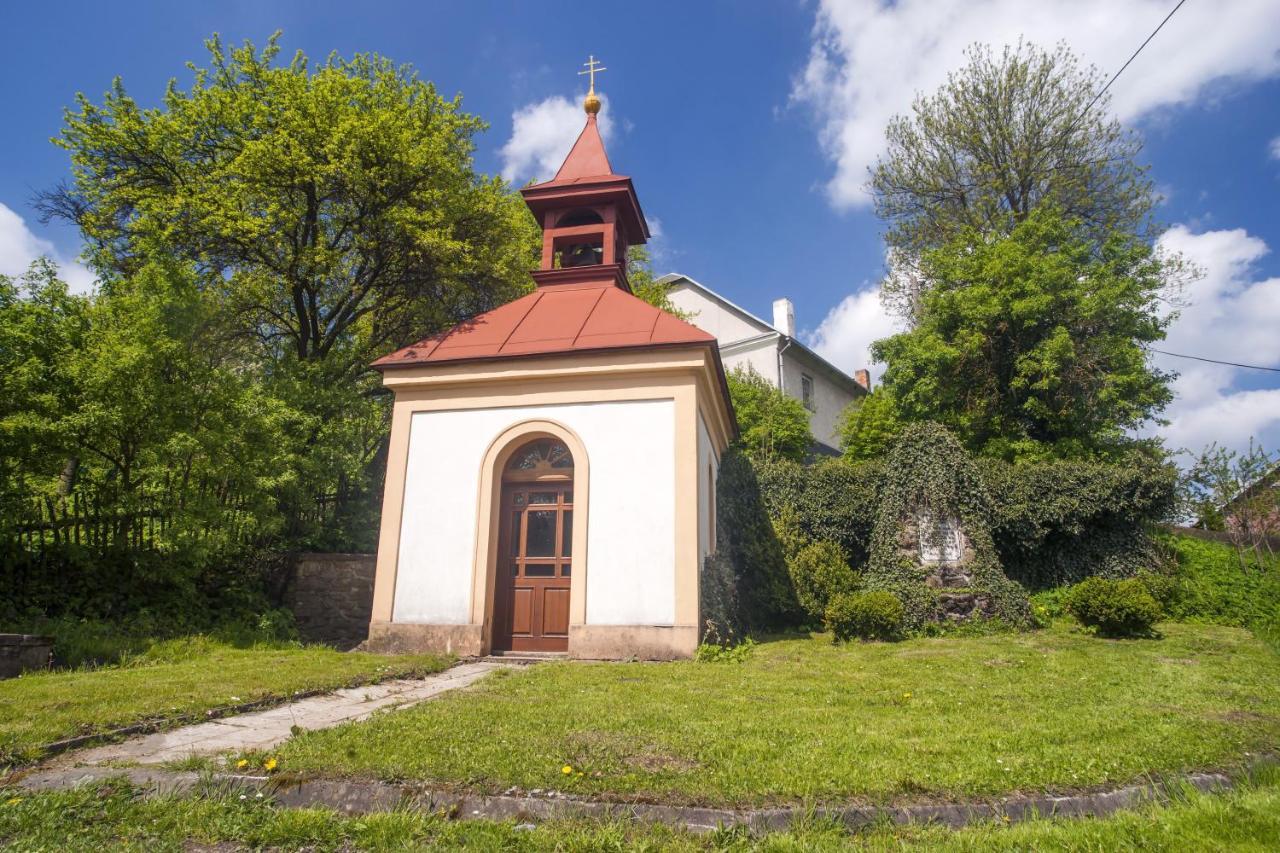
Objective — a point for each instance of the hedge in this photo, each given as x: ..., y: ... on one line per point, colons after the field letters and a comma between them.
x: 1052, y: 523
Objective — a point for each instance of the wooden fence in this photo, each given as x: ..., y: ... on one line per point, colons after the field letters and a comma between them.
x: 98, y: 521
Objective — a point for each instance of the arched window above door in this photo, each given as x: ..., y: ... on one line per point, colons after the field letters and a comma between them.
x: 544, y: 454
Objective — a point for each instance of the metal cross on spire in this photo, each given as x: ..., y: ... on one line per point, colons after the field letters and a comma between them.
x: 592, y: 69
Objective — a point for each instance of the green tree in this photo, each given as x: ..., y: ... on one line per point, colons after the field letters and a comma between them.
x: 1032, y: 344
x: 160, y: 411
x: 772, y: 424
x: 41, y: 326
x: 328, y: 214
x: 646, y: 286
x: 868, y: 426
x: 1003, y: 135
x: 335, y: 208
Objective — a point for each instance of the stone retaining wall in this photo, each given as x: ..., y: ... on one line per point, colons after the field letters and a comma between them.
x: 332, y: 597
x: 22, y: 652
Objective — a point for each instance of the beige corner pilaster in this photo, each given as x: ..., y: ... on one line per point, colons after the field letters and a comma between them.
x: 686, y: 504
x: 384, y: 582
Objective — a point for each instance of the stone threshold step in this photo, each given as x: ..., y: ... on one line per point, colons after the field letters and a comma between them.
x: 524, y: 657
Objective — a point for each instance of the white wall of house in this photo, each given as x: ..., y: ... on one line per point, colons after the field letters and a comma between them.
x: 760, y: 355
x: 748, y: 341
x: 711, y: 316
x: 829, y: 398
x: 630, y: 571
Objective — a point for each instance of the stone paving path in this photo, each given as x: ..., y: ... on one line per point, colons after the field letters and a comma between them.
x: 265, y: 729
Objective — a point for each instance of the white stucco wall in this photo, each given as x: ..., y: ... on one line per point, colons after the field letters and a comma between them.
x: 730, y: 327
x: 762, y: 357
x: 631, y: 514
x: 712, y: 316
x: 830, y: 399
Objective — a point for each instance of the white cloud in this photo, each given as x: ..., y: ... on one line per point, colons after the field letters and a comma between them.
x: 19, y: 247
x: 542, y: 134
x: 1274, y: 148
x: 1231, y: 316
x: 845, y: 335
x: 870, y: 58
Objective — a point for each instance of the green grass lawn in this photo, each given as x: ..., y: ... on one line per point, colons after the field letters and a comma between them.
x: 176, y: 680
x: 806, y: 721
x: 114, y: 816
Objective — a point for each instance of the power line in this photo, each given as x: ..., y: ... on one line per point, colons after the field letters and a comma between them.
x: 1216, y: 361
x: 1085, y: 112
x: 1115, y: 76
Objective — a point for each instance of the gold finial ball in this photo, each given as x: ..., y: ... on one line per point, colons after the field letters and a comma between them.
x: 591, y: 103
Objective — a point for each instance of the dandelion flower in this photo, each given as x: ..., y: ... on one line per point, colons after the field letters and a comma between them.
x: 566, y: 770
x: 242, y: 764
x: 269, y: 764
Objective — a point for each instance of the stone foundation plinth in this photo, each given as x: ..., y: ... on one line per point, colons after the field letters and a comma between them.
x: 587, y: 642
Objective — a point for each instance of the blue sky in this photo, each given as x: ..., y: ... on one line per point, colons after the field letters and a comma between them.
x: 748, y: 127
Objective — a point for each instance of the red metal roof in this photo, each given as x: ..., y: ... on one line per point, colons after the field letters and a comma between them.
x: 554, y: 321
x: 587, y: 158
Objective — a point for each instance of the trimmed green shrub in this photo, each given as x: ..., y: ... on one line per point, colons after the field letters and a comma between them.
x: 1114, y: 608
x: 874, y: 615
x: 819, y: 572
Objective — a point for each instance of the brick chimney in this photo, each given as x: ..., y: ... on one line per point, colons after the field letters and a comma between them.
x: 863, y: 378
x: 784, y: 317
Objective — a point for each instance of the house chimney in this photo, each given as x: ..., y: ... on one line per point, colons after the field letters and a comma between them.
x: 863, y: 378
x: 784, y: 317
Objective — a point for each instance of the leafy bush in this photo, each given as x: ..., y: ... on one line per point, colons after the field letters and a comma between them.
x: 874, y: 615
x: 1114, y: 608
x: 716, y: 653
x: 831, y: 500
x: 820, y: 571
x: 1052, y: 523
x: 773, y: 424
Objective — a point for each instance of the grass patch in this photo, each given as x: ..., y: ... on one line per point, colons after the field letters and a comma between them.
x: 177, y: 680
x: 803, y: 720
x: 1212, y: 584
x: 117, y: 816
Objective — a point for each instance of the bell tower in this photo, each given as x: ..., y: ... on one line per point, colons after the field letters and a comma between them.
x: 589, y: 216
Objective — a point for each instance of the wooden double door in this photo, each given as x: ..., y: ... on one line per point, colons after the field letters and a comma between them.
x: 535, y: 565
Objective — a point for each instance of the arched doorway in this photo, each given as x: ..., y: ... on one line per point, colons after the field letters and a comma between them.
x: 535, y: 549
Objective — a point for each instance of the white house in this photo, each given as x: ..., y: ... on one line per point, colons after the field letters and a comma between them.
x: 775, y: 353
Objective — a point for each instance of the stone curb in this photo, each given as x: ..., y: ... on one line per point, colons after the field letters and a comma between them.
x: 357, y: 797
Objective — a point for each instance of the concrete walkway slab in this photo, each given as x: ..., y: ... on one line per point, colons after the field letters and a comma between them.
x: 265, y: 729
